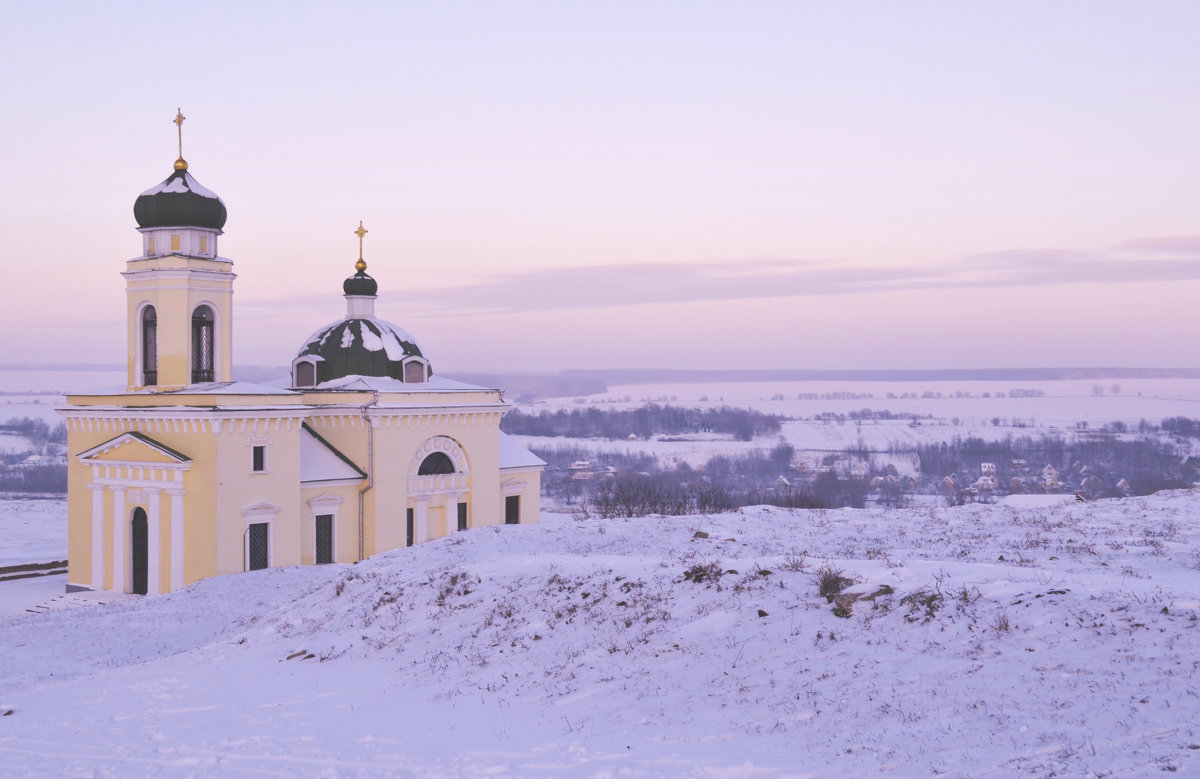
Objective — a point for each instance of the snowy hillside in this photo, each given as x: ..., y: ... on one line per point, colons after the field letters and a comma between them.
x: 983, y: 640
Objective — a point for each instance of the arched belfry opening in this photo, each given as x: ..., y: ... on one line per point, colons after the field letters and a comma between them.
x: 149, y: 347
x: 202, y: 345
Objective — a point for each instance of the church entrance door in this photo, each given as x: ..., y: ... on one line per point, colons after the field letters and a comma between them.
x: 324, y: 539
x: 141, y: 549
x: 257, y: 553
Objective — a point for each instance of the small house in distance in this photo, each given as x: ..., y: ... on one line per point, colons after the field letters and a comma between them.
x: 184, y: 473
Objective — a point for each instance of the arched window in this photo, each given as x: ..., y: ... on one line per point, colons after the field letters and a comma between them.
x: 306, y: 374
x: 436, y: 463
x: 149, y: 347
x: 414, y: 372
x: 202, y: 344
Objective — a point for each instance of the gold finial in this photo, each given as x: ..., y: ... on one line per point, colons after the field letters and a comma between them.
x: 181, y: 163
x: 361, y: 265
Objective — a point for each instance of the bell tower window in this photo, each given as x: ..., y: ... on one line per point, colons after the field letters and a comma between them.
x: 175, y: 243
x: 202, y: 345
x: 204, y: 244
x: 149, y: 347
x: 150, y: 247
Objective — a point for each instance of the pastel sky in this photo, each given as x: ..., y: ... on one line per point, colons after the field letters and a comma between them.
x: 644, y: 184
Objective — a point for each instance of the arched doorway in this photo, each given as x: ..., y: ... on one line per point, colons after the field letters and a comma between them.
x: 141, y: 549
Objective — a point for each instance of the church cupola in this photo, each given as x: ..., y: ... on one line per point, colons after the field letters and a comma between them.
x: 180, y: 292
x: 179, y: 216
x: 360, y: 344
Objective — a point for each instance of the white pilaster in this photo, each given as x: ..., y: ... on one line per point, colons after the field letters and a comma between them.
x: 153, y: 541
x: 176, y: 539
x: 120, y: 538
x: 422, y: 529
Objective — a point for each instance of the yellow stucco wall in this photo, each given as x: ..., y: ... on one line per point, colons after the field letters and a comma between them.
x: 175, y: 286
x: 223, y: 495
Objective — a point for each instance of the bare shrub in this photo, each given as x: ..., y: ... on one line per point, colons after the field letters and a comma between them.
x: 830, y: 581
x: 704, y: 572
x: 922, y: 605
x: 797, y: 563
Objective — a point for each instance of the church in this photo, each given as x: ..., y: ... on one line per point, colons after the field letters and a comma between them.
x: 184, y: 473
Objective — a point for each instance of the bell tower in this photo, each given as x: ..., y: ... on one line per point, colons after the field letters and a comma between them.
x: 179, y: 291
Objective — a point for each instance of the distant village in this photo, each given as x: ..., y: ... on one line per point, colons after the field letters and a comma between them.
x: 1088, y: 464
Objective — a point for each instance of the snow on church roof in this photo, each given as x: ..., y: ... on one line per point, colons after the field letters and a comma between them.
x: 513, y: 455
x: 388, y: 384
x: 321, y: 462
x: 179, y: 184
x: 179, y: 201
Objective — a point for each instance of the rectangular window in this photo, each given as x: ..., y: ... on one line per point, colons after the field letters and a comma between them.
x: 256, y: 543
x: 260, y: 459
x: 324, y: 539
x: 204, y: 244
x: 174, y: 243
x: 512, y: 510
x: 462, y: 516
x: 150, y: 250
x: 410, y: 527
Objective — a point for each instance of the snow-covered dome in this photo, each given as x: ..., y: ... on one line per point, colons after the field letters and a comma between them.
x: 360, y: 347
x: 180, y: 201
x: 360, y: 344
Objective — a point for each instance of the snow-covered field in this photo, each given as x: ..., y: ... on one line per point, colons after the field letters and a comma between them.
x: 945, y: 410
x: 32, y: 530
x: 984, y: 640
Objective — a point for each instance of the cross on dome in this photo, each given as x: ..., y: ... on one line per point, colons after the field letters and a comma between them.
x: 361, y: 265
x: 181, y: 163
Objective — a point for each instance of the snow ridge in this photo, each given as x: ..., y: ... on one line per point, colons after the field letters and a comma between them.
x: 979, y: 639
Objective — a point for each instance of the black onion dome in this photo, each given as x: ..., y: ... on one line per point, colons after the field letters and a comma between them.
x: 360, y: 284
x: 180, y: 201
x: 361, y: 347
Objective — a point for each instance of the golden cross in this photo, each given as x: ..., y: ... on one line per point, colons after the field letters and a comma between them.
x: 360, y: 232
x: 178, y: 120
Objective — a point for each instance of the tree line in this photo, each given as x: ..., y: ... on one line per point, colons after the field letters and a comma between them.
x: 646, y: 421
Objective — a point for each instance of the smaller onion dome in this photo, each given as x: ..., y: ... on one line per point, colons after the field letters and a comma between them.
x: 360, y: 284
x: 180, y: 201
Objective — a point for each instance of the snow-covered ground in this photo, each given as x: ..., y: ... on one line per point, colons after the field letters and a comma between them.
x: 32, y: 530
x: 984, y: 640
x: 1063, y: 404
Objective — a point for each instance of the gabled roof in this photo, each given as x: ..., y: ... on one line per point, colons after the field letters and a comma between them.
x: 320, y: 461
x: 142, y: 448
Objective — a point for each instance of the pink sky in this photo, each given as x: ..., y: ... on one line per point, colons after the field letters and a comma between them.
x: 548, y: 186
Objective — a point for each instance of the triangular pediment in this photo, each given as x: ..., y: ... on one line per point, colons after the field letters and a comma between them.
x: 513, y: 487
x: 134, y: 448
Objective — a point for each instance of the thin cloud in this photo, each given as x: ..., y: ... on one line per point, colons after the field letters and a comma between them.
x: 610, y: 286
x: 1168, y: 244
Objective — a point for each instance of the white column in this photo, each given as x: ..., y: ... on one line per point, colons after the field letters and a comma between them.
x: 176, y: 539
x: 97, y: 536
x: 120, y: 538
x: 153, y: 541
x: 422, y: 530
